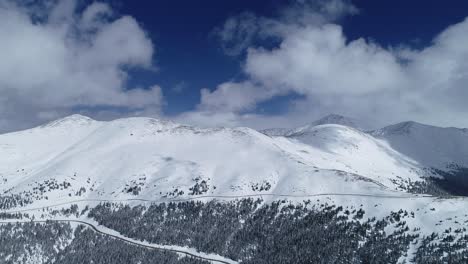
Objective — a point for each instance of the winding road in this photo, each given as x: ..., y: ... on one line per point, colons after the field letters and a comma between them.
x: 176, y: 249
x: 111, y: 233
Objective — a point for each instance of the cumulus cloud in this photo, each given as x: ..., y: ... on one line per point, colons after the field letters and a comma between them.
x: 319, y: 60
x: 56, y: 59
x: 333, y: 74
x: 244, y: 30
x: 233, y: 97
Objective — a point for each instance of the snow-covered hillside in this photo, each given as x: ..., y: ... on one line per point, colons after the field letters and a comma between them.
x: 77, y: 161
x: 348, y: 149
x: 151, y: 159
x: 430, y: 146
x: 332, y: 119
x: 427, y: 147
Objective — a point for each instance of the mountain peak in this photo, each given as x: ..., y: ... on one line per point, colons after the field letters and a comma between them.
x: 400, y: 128
x: 336, y: 120
x: 331, y: 119
x: 75, y: 119
x: 78, y: 117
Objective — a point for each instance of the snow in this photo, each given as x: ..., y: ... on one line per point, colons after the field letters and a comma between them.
x: 332, y: 119
x: 35, y: 257
x: 151, y: 159
x: 145, y: 158
x: 430, y: 146
x: 331, y: 163
x: 350, y: 150
x: 161, y: 157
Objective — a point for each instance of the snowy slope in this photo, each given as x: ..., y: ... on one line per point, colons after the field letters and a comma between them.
x: 423, y: 147
x: 77, y: 159
x: 429, y: 145
x: 331, y: 119
x: 149, y: 158
x: 348, y: 149
x: 334, y: 119
x: 152, y: 159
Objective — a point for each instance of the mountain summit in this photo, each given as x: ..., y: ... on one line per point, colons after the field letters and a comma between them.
x: 332, y: 119
x: 150, y: 159
x: 73, y: 120
x: 430, y: 146
x: 337, y: 120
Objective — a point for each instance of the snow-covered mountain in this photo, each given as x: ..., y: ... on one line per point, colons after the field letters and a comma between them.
x: 438, y: 153
x: 430, y: 146
x: 148, y: 158
x: 64, y: 168
x: 154, y: 159
x: 332, y: 119
x: 335, y: 119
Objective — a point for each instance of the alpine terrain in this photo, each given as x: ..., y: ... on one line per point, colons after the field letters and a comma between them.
x: 142, y: 190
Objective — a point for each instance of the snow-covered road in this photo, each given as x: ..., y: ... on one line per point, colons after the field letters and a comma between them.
x: 213, y: 258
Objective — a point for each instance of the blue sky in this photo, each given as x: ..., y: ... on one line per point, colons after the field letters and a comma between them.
x: 292, y: 62
x: 188, y: 53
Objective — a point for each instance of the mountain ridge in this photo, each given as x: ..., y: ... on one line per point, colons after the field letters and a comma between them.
x: 137, y: 173
x: 147, y: 157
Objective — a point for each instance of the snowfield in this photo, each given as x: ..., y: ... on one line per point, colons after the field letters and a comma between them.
x: 77, y: 157
x: 148, y: 158
x: 430, y: 146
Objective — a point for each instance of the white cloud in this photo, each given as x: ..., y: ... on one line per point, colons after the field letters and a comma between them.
x: 359, y: 78
x: 318, y: 60
x: 241, y: 31
x: 232, y: 96
x: 94, y: 16
x: 55, y: 59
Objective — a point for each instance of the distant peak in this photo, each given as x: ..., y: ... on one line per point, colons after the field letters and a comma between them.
x: 334, y: 119
x: 275, y: 132
x: 144, y: 120
x: 331, y: 119
x: 75, y: 119
x: 400, y: 128
x: 334, y: 116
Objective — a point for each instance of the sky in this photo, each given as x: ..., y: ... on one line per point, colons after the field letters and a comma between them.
x: 260, y: 64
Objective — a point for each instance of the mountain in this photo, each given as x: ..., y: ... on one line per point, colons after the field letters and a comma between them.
x: 436, y: 154
x: 337, y: 120
x: 430, y: 146
x: 275, y: 132
x: 326, y: 120
x: 153, y: 159
x: 149, y: 158
x: 442, y: 150
x: 231, y: 195
x: 348, y: 149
